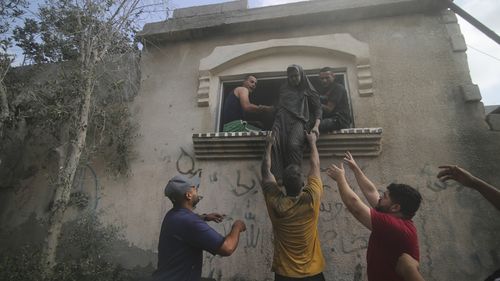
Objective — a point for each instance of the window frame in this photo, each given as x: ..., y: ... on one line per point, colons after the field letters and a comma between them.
x: 273, y: 76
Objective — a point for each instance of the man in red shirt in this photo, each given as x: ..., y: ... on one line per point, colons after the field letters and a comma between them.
x: 392, y: 230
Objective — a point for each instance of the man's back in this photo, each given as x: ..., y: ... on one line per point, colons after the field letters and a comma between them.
x: 297, y: 251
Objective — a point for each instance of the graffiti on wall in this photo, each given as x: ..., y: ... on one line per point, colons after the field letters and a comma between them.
x: 186, y: 165
x: 432, y: 183
x: 242, y: 188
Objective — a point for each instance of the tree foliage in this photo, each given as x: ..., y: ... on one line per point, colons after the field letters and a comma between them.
x: 63, y: 26
x: 79, y: 105
x: 10, y: 10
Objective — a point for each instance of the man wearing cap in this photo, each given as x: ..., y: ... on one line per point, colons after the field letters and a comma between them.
x: 184, y: 235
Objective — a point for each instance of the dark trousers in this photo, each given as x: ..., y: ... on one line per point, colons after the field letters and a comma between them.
x: 317, y: 277
x: 333, y: 123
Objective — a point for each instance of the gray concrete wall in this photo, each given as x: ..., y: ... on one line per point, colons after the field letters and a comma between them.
x: 417, y: 101
x: 426, y: 123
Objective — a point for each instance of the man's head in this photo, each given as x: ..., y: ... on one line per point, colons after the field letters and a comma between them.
x: 326, y: 77
x: 250, y: 83
x: 181, y: 190
x: 400, y: 198
x: 293, y: 180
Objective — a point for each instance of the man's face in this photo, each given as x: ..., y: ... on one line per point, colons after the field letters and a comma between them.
x: 294, y: 78
x: 384, y: 203
x: 326, y: 79
x: 195, y: 198
x: 250, y: 83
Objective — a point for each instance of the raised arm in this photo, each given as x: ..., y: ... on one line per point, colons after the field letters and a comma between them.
x: 267, y: 176
x: 231, y: 240
x: 464, y: 177
x: 367, y: 187
x: 352, y: 201
x: 314, y: 158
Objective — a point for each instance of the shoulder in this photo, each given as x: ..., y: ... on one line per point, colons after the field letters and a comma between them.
x: 314, y: 180
x: 339, y: 88
x: 387, y: 222
x: 270, y: 187
x: 240, y: 90
x: 181, y: 218
x: 314, y: 183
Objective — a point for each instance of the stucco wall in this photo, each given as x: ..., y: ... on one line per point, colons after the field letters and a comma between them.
x: 416, y: 100
x: 425, y: 120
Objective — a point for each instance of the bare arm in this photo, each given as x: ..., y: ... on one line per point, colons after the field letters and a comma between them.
x: 315, y: 129
x: 352, y: 201
x: 316, y: 112
x: 267, y: 176
x: 367, y: 187
x: 216, y: 217
x: 464, y: 177
x: 245, y: 103
x: 314, y: 158
x: 407, y: 267
x: 231, y: 241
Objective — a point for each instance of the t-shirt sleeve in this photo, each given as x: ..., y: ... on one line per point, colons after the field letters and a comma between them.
x: 314, y: 186
x: 203, y: 236
x: 270, y: 189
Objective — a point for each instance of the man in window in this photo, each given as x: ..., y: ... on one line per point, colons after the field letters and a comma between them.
x: 334, y: 103
x: 237, y: 104
x: 389, y: 220
x: 184, y: 235
x: 294, y: 216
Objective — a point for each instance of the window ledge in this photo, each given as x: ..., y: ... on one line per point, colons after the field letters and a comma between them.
x: 250, y: 145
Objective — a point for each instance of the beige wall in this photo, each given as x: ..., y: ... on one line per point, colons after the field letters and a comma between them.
x: 416, y: 100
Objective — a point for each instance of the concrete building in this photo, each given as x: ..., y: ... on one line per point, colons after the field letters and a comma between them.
x: 413, y: 102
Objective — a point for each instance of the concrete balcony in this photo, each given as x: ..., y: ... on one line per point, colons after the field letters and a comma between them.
x: 364, y: 142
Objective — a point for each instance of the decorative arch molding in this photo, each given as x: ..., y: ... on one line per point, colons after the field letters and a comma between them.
x: 342, y: 44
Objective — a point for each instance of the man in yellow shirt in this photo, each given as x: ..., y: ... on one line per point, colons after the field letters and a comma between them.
x: 294, y: 216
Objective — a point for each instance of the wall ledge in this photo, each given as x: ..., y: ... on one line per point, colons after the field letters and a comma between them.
x: 250, y: 145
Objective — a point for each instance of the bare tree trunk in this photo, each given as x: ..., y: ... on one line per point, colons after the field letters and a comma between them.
x: 65, y: 179
x: 93, y: 47
x: 4, y: 107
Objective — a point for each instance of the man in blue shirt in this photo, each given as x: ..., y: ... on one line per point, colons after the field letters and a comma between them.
x: 184, y: 235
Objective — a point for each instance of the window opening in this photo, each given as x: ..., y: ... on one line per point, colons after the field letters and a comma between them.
x: 267, y: 93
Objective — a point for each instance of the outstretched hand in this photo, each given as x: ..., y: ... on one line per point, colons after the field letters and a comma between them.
x: 349, y: 160
x: 315, y: 130
x: 214, y: 217
x: 456, y: 173
x: 336, y: 173
x: 311, y: 137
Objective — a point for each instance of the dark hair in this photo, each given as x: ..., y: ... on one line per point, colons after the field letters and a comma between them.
x: 293, y: 180
x: 407, y: 197
x: 248, y: 76
x: 326, y: 69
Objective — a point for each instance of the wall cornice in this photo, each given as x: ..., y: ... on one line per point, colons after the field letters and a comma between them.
x: 289, y: 15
